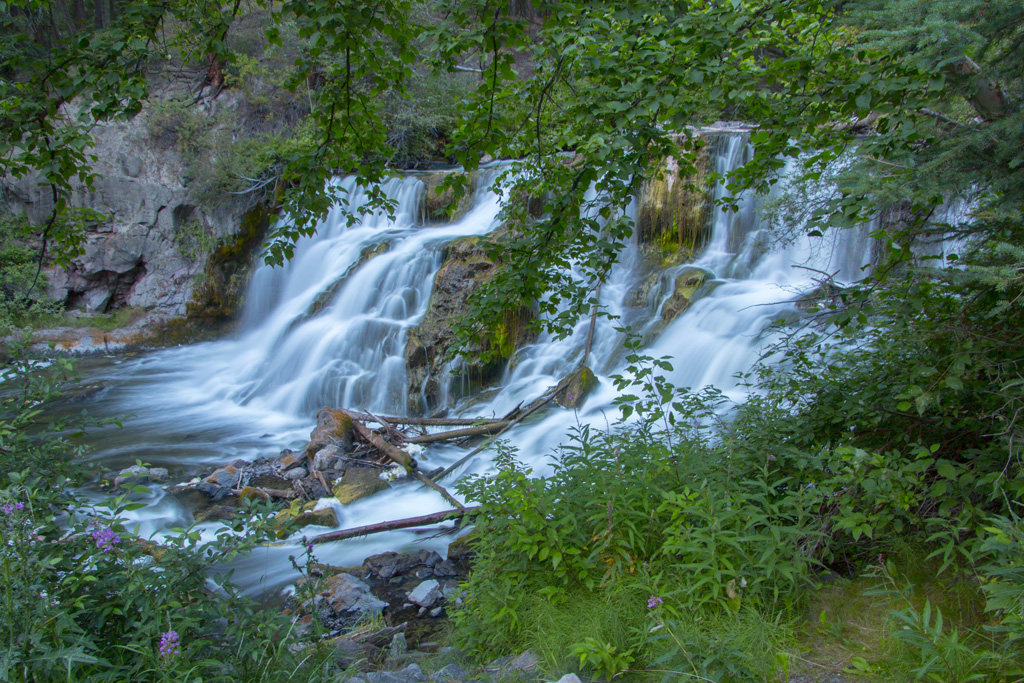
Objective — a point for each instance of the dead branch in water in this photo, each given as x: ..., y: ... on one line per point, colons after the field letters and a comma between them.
x: 409, y: 522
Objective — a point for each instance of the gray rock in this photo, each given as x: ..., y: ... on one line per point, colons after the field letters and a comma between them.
x: 452, y: 672
x: 390, y: 677
x: 346, y: 593
x: 429, y: 557
x: 569, y: 678
x: 355, y: 679
x: 159, y: 474
x: 326, y: 458
x: 136, y: 474
x: 399, y: 646
x: 296, y: 473
x: 436, y: 612
x: 426, y: 594
x: 445, y: 569
x: 525, y: 662
x: 415, y: 671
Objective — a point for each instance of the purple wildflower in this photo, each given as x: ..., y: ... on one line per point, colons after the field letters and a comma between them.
x: 169, y: 645
x: 654, y: 601
x: 105, y: 539
x: 11, y: 507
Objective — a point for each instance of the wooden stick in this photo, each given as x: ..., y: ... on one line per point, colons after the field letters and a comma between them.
x: 593, y: 323
x: 422, y: 520
x: 537, y: 405
x: 399, y: 456
x: 482, y: 430
x: 425, y: 421
x: 398, y: 436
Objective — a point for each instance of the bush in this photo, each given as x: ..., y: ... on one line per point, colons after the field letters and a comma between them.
x: 85, y: 599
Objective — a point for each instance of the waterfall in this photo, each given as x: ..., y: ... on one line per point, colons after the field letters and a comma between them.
x: 329, y: 329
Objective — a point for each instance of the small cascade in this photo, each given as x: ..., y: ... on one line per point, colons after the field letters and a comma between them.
x: 330, y: 328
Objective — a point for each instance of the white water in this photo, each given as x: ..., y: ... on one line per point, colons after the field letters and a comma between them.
x: 204, y: 405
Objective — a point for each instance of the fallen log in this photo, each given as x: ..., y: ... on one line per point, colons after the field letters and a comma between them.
x: 481, y: 430
x: 424, y: 421
x: 409, y: 522
x: 535, y: 406
x: 399, y: 456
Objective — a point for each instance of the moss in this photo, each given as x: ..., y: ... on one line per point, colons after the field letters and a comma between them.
x: 673, y: 212
x: 439, y: 202
x: 579, y: 387
x: 217, y: 296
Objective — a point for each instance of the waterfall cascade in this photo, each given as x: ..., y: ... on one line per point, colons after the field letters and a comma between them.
x: 329, y: 329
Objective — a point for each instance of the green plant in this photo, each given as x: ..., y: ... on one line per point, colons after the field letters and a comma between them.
x: 84, y: 598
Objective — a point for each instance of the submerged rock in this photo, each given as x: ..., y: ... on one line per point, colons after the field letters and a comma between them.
x: 333, y: 428
x: 297, y: 516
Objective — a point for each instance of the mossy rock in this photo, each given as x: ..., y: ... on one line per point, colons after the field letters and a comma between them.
x: 332, y: 427
x: 686, y: 288
x: 466, y: 267
x: 299, y: 515
x: 358, y: 483
x: 674, y: 209
x: 439, y: 202
x: 574, y: 394
x: 217, y: 296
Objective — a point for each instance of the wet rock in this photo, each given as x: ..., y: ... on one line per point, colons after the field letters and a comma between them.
x: 466, y: 268
x: 358, y: 483
x: 685, y: 291
x: 426, y: 594
x: 216, y: 492
x: 226, y: 476
x: 445, y: 569
x: 333, y: 428
x: 388, y: 564
x: 215, y: 513
x: 327, y: 458
x: 297, y: 517
x: 436, y: 612
x: 290, y: 459
x: 440, y: 204
x: 429, y: 557
x: 574, y: 394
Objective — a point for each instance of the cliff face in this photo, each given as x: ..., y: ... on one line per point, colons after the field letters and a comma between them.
x: 155, y: 239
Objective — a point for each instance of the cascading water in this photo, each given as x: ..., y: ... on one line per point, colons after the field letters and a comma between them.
x: 329, y: 329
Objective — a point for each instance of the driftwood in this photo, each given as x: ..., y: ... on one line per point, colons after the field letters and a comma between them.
x: 534, y: 407
x: 409, y: 522
x: 399, y: 456
x: 423, y: 421
x: 481, y: 430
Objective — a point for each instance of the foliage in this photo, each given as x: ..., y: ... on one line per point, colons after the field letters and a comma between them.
x: 18, y: 273
x: 85, y: 598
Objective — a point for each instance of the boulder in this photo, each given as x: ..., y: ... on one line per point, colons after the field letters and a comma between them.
x: 439, y: 203
x: 686, y: 289
x: 333, y: 428
x: 344, y: 594
x: 575, y: 392
x: 358, y: 483
x: 426, y: 594
x: 140, y: 474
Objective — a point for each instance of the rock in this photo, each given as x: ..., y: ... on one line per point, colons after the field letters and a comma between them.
x: 398, y: 647
x: 296, y: 473
x: 344, y: 593
x: 290, y: 459
x: 449, y: 674
x: 358, y: 483
x: 574, y: 393
x: 140, y: 474
x: 466, y: 267
x: 673, y: 209
x: 225, y: 476
x: 569, y: 678
x: 442, y: 207
x: 327, y: 457
x: 429, y: 557
x: 388, y: 564
x: 414, y: 671
x: 526, y: 662
x: 426, y: 594
x: 436, y: 612
x: 445, y: 570
x: 685, y: 291
x: 215, y: 492
x: 297, y: 517
x: 333, y: 427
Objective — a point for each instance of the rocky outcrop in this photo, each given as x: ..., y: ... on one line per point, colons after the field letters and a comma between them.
x: 153, y: 238
x: 439, y: 202
x: 685, y: 290
x: 431, y: 342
